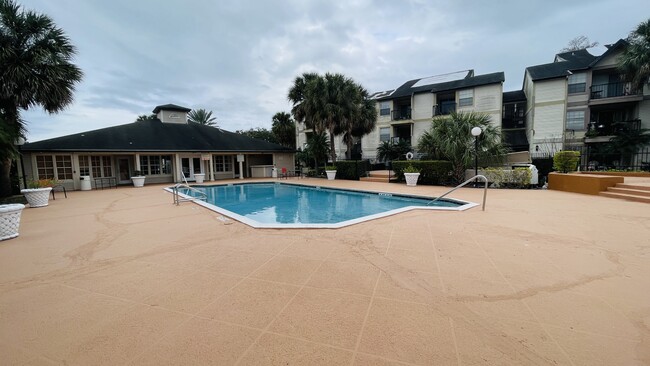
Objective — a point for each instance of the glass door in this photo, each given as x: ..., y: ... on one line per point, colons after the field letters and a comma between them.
x: 191, y: 166
x: 124, y: 168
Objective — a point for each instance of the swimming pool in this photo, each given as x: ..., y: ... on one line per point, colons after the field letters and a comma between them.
x: 284, y: 205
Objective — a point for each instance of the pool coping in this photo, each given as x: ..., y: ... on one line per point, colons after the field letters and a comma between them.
x: 259, y: 225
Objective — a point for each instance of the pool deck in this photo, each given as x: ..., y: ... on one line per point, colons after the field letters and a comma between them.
x: 122, y: 276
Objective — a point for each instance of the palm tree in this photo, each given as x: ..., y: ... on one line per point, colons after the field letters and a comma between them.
x: 363, y: 120
x: 202, y: 117
x: 330, y: 103
x: 284, y: 129
x: 145, y: 117
x: 35, y: 70
x: 450, y: 136
x: 317, y: 147
x: 634, y: 63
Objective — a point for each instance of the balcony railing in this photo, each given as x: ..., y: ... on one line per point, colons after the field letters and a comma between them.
x: 612, y: 128
x: 400, y: 114
x: 397, y: 140
x: 611, y: 90
x: 444, y: 108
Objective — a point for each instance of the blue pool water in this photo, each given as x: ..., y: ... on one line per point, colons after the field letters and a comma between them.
x: 270, y: 204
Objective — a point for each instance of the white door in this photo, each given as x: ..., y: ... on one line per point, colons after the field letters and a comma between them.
x: 191, y: 166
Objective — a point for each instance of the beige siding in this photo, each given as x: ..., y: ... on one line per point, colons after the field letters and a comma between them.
x: 644, y: 113
x: 549, y: 123
x: 172, y: 116
x: 550, y: 90
x: 381, y: 118
x: 369, y: 144
x: 422, y: 106
x: 418, y: 130
x: 282, y: 160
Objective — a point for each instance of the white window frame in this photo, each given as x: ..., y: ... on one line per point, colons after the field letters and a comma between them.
x: 384, y: 108
x: 572, y: 118
x: 574, y: 81
x: 466, y: 98
x: 222, y: 163
x: 162, y: 167
x: 54, y: 170
x: 384, y: 137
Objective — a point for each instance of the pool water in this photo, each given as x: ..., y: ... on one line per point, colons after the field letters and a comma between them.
x: 290, y: 205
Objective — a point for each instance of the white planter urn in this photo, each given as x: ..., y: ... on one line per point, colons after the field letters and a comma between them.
x: 37, y: 197
x: 331, y: 174
x: 199, y: 178
x: 411, y: 179
x: 10, y: 220
x: 138, y: 181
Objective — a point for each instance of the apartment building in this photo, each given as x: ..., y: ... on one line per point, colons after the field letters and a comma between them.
x: 581, y: 99
x: 405, y: 113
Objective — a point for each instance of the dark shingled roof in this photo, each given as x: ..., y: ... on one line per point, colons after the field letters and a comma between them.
x: 407, y: 89
x: 153, y: 135
x: 170, y: 107
x: 514, y: 96
x: 574, y: 60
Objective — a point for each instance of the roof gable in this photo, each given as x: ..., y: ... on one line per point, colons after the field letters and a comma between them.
x: 412, y: 87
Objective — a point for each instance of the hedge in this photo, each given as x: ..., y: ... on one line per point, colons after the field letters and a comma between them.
x: 433, y: 172
x: 351, y: 169
x: 566, y: 161
x: 508, y: 178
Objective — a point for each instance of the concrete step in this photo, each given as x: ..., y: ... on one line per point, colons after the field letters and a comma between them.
x: 628, y: 197
x: 633, y: 192
x: 374, y: 179
x: 633, y: 186
x: 381, y: 173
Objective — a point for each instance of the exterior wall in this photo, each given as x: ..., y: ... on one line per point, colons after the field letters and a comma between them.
x: 644, y: 112
x: 284, y: 161
x: 418, y: 130
x: 422, y: 107
x: 369, y: 144
x: 549, y: 111
x: 487, y: 99
x: 380, y: 118
x: 172, y: 116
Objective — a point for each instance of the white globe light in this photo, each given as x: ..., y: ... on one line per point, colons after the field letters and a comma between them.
x: 476, y: 131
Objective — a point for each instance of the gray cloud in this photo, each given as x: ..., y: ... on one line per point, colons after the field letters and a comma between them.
x: 239, y: 58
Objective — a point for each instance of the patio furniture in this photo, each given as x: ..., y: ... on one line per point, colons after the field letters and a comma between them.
x: 59, y: 186
x: 102, y: 182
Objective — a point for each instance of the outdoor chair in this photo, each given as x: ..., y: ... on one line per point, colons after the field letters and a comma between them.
x: 61, y: 187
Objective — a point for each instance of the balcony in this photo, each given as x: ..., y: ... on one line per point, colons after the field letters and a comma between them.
x: 602, y: 132
x: 613, y: 92
x: 444, y: 108
x: 401, y: 114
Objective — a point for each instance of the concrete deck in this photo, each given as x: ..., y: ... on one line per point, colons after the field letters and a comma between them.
x: 122, y: 276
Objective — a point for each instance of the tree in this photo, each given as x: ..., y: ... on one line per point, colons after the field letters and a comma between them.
x: 202, y: 117
x: 145, y: 117
x: 259, y: 133
x: 634, y: 63
x: 36, y: 69
x: 284, y: 129
x: 578, y: 43
x: 329, y: 103
x: 627, y: 142
x: 388, y: 151
x: 317, y: 147
x: 450, y: 137
x: 363, y: 120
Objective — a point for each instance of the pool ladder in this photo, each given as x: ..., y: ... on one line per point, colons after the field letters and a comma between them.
x: 476, y: 177
x: 177, y: 197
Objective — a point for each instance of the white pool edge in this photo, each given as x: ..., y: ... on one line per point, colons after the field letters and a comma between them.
x: 258, y: 225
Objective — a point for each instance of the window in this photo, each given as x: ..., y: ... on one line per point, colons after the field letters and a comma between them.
x: 84, y: 165
x: 100, y: 166
x: 222, y: 163
x: 45, y: 167
x: 466, y: 98
x: 384, y: 134
x: 575, y: 120
x: 577, y: 83
x: 384, y: 108
x: 155, y: 164
x: 64, y: 167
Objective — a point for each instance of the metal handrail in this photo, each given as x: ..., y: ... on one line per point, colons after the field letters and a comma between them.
x: 465, y: 183
x: 177, y: 199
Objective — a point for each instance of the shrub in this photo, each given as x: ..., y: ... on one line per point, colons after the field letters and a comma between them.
x: 508, y: 178
x: 330, y: 167
x: 432, y: 172
x: 351, y: 169
x: 41, y: 183
x: 566, y: 161
x: 411, y: 169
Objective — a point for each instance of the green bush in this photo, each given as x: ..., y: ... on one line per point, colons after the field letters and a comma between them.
x: 508, y: 178
x: 566, y: 161
x: 351, y: 169
x: 432, y: 172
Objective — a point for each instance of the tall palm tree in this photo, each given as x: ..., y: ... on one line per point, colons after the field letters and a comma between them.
x: 36, y: 69
x: 450, y: 136
x: 202, y: 117
x: 284, y: 129
x: 634, y: 63
x: 307, y: 107
x: 362, y: 120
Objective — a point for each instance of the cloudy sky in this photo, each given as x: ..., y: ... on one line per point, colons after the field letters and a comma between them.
x: 238, y: 58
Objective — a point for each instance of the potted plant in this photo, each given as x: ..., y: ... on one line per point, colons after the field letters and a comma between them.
x: 138, y: 179
x: 411, y: 174
x: 330, y: 170
x: 199, y: 177
x: 38, y: 192
x: 10, y: 220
